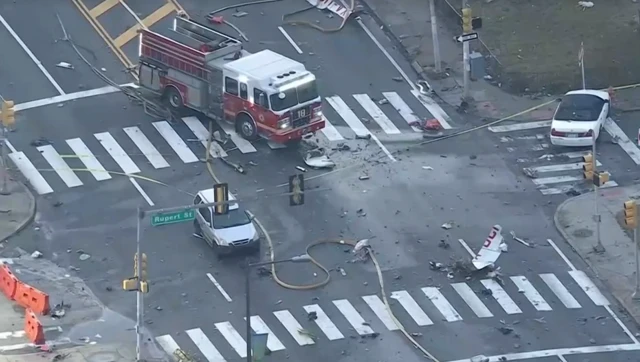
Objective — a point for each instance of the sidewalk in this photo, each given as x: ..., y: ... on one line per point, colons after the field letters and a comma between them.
x: 408, y: 24
x: 16, y: 210
x: 616, y: 266
x: 103, y: 353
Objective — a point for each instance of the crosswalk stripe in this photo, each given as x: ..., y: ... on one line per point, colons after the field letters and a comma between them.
x: 88, y: 159
x: 233, y: 338
x: 563, y: 189
x: 560, y: 167
x: 434, y: 108
x: 59, y: 166
x: 374, y: 111
x: 146, y: 147
x: 31, y: 173
x: 530, y: 292
x: 555, y: 180
x: 174, y: 140
x: 402, y: 108
x: 117, y: 153
x: 330, y: 131
x: 348, y: 116
x: 378, y: 307
x: 243, y: 145
x: 588, y: 287
x: 501, y: 296
x: 202, y: 134
x: 209, y: 351
x: 520, y: 126
x: 560, y: 291
x: 293, y: 327
x: 324, y: 323
x: 260, y: 327
x: 440, y: 302
x: 412, y: 307
x: 168, y: 344
x: 7, y: 261
x: 353, y: 317
x: 472, y: 300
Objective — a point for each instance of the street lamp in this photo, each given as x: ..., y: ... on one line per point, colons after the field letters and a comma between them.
x: 295, y: 259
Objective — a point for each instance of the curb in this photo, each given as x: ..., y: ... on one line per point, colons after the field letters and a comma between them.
x: 32, y: 212
x: 621, y: 301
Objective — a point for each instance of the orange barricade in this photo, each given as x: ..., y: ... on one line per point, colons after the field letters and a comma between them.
x: 31, y: 298
x: 33, y: 328
x: 8, y: 282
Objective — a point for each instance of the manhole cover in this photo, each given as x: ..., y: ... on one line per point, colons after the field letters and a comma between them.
x: 582, y: 233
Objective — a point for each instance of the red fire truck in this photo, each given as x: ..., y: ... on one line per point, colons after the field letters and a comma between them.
x: 263, y: 95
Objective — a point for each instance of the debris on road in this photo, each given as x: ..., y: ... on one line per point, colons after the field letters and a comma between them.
x: 65, y: 65
x: 447, y: 225
x: 312, y: 316
x: 444, y: 244
x: 342, y: 271
x: 363, y: 177
x: 585, y: 4
x: 479, y: 358
x: 521, y: 241
x: 59, y: 310
x: 317, y: 160
x: 505, y: 330
x: 240, y: 14
x: 490, y: 251
x: 238, y: 168
x: 36, y: 255
x: 530, y: 173
x: 84, y: 257
x: 428, y: 168
x: 504, y: 247
x: 40, y: 142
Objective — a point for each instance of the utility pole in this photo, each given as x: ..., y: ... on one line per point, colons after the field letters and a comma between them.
x: 466, y: 29
x: 598, y: 248
x: 139, y: 298
x: 8, y: 119
x: 434, y: 36
x: 247, y: 285
x: 631, y: 222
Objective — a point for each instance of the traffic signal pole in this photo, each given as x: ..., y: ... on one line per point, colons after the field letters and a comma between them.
x: 599, y: 248
x: 139, y: 296
x: 4, y: 188
x: 466, y: 28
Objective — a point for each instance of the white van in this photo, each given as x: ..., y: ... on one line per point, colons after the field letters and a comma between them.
x: 227, y: 233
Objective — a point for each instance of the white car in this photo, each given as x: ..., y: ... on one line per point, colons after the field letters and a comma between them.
x: 579, y: 114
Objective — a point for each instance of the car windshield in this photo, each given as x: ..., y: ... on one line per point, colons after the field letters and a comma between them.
x: 294, y: 96
x: 235, y: 217
x: 580, y: 107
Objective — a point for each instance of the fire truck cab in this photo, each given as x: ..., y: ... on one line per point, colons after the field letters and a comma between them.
x: 263, y: 95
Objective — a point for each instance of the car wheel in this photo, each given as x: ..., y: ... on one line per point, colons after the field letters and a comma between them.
x: 247, y: 127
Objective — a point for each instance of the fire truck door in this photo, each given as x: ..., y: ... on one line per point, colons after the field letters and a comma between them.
x: 215, y: 100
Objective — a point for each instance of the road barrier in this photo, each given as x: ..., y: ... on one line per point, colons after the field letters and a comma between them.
x: 8, y: 282
x: 32, y: 298
x: 33, y: 328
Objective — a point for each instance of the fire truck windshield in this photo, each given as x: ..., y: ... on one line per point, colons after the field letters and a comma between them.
x: 294, y: 96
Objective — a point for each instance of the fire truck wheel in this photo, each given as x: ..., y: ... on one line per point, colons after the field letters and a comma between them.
x: 247, y: 127
x: 173, y: 98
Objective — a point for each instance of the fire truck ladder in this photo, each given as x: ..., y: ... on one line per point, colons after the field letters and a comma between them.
x: 213, y: 43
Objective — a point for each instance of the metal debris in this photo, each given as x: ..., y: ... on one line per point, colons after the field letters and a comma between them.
x: 444, y: 244
x: 312, y: 316
x: 521, y: 241
x: 504, y: 247
x: 585, y: 4
x: 301, y: 169
x: 505, y: 330
x: 429, y: 168
x: 64, y: 65
x: 342, y: 271
x: 36, y: 255
x: 84, y: 257
x: 318, y: 161
x: 364, y: 137
x: 447, y: 225
x: 240, y: 14
x: 363, y: 177
x: 217, y: 136
x: 40, y: 142
x: 59, y: 310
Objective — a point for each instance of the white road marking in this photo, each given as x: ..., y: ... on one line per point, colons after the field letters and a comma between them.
x: 579, y: 154
x: 434, y: 108
x: 412, y: 307
x: 564, y: 257
x: 233, y: 338
x: 146, y: 147
x: 401, y: 107
x: 560, y: 291
x: 88, y: 159
x: 531, y: 293
x: 202, y: 134
x: 290, y: 40
x: 10, y: 146
x: 563, y: 189
x: 168, y: 344
x: 520, y: 126
x: 625, y: 143
x: 70, y: 96
x: 467, y: 248
x: 330, y: 131
x: 561, y: 358
x: 219, y: 286
x: 588, y: 287
x: 440, y: 302
x: 501, y: 296
x: 209, y: 351
x: 353, y: 317
x: 275, y: 146
x: 173, y: 139
x: 243, y: 145
x: 555, y: 180
x: 378, y: 307
x: 374, y: 111
x: 260, y: 327
x: 472, y: 300
x: 293, y: 327
x: 31, y: 173
x: 146, y: 197
x: 560, y: 351
x: 324, y: 323
x: 59, y: 166
x: 560, y: 167
x: 20, y: 334
x: 354, y: 122
x: 117, y: 153
x: 31, y: 55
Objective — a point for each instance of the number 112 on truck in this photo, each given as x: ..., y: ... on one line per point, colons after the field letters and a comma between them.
x: 263, y: 95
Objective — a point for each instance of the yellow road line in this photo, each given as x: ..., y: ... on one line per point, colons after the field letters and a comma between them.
x: 126, y: 37
x: 156, y: 16
x: 102, y: 8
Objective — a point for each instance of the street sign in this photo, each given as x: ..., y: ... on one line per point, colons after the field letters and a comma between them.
x: 173, y: 217
x: 467, y: 37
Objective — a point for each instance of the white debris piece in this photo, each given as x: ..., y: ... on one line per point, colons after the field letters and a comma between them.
x: 479, y: 358
x: 490, y: 250
x: 504, y: 247
x: 447, y: 225
x: 364, y: 243
x: 64, y: 65
x: 317, y: 162
x: 36, y: 254
x: 585, y: 4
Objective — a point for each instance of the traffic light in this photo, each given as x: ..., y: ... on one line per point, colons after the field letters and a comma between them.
x: 296, y: 190
x: 601, y: 178
x: 588, y: 167
x: 630, y: 214
x: 8, y: 113
x: 143, y: 266
x: 221, y: 194
x: 467, y: 16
